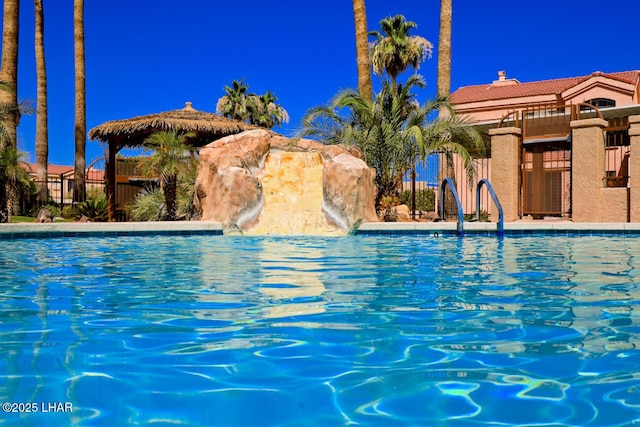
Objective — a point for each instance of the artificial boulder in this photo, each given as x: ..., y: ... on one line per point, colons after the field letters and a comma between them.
x: 44, y: 216
x: 234, y: 171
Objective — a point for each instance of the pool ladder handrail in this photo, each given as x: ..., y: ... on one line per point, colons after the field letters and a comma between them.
x: 486, y: 182
x: 448, y: 181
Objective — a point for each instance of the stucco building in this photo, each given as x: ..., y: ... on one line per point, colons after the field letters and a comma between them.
x: 60, y: 180
x: 563, y: 147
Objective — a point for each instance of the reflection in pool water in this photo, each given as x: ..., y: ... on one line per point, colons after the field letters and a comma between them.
x: 360, y: 330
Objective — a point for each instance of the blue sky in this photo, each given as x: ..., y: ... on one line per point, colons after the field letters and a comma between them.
x: 148, y: 56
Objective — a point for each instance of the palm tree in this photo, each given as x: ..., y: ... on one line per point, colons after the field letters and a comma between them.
x: 9, y: 114
x: 80, y: 102
x: 237, y: 102
x: 392, y: 131
x: 264, y: 111
x: 365, y: 87
x: 42, y: 130
x: 10, y: 156
x: 12, y: 161
x: 395, y: 50
x: 240, y: 104
x: 170, y: 156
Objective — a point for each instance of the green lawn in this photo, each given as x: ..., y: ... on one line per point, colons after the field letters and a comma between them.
x: 19, y: 218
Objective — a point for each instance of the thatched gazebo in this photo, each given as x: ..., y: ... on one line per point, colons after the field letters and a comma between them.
x: 131, y: 133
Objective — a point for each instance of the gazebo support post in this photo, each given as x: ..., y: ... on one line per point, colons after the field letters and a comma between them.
x: 111, y: 177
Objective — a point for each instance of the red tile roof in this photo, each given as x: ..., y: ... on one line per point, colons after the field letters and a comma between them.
x: 51, y: 169
x: 490, y: 92
x: 60, y: 170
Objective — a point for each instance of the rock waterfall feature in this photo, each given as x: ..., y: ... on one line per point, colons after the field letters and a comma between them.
x: 259, y: 182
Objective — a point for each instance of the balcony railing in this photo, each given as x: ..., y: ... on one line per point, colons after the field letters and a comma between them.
x: 549, y: 120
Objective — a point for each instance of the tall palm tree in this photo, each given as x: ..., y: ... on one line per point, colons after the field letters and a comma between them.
x: 395, y: 50
x: 169, y: 157
x: 42, y: 129
x: 392, y: 131
x: 9, y: 114
x: 80, y: 102
x: 237, y: 102
x: 365, y: 87
x: 263, y: 111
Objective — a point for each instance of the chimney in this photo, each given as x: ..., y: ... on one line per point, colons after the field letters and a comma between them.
x: 503, y: 80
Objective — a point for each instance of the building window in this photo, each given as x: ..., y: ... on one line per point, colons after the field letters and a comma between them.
x: 617, y: 152
x: 598, y: 103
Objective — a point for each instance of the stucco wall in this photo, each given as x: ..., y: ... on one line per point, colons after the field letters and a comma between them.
x: 614, y: 205
x: 599, y: 92
x: 505, y: 171
x: 634, y: 172
x: 587, y: 169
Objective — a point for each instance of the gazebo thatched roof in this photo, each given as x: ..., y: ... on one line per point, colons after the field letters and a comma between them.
x: 132, y: 132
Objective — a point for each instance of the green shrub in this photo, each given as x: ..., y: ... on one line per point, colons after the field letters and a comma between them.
x: 97, y: 210
x: 484, y: 216
x: 148, y: 205
x: 425, y: 199
x: 71, y: 212
x: 387, y: 211
x: 95, y: 193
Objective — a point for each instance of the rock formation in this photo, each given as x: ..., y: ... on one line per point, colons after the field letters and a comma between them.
x: 234, y: 171
x: 44, y: 216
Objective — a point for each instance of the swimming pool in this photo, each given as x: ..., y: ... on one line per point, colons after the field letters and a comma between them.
x: 307, y: 331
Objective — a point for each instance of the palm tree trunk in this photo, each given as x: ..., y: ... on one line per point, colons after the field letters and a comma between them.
x: 170, y: 191
x: 11, y: 197
x: 8, y: 99
x: 42, y: 130
x: 81, y: 103
x: 444, y: 89
x: 444, y: 49
x: 365, y: 86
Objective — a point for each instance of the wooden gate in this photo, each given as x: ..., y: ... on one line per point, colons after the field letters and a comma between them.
x: 546, y: 179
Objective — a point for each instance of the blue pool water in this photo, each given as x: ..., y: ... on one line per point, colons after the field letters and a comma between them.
x: 361, y: 330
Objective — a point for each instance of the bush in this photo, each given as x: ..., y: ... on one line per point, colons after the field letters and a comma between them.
x: 484, y: 216
x: 148, y: 205
x: 425, y: 199
x: 387, y: 211
x: 70, y: 212
x: 97, y: 210
x: 95, y: 193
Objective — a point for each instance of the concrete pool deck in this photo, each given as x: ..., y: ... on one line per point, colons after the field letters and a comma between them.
x: 517, y: 227
x: 77, y: 229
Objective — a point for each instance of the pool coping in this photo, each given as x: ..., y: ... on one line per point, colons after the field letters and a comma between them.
x: 105, y: 229
x: 78, y: 229
x: 510, y: 228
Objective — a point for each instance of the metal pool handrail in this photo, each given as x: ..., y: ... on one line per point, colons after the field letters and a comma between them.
x: 448, y: 181
x: 495, y: 200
